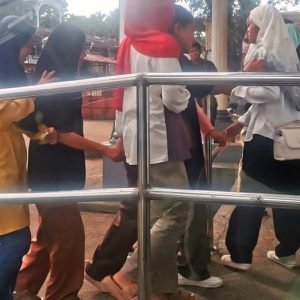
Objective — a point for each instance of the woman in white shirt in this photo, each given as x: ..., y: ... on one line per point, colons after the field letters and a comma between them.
x: 271, y: 108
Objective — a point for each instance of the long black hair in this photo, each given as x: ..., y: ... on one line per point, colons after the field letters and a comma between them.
x: 14, y: 34
x: 62, y: 52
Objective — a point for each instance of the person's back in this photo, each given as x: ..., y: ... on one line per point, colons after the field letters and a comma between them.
x: 150, y: 48
x: 60, y: 235
x: 166, y: 102
x: 57, y: 167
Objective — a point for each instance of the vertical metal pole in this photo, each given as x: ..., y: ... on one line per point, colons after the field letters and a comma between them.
x: 208, y: 167
x: 208, y: 143
x: 143, y: 183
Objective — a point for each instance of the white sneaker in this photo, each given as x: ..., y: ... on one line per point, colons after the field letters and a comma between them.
x: 25, y: 296
x: 226, y: 260
x: 211, y: 282
x: 288, y: 262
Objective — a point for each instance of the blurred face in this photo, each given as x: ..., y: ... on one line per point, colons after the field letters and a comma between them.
x: 185, y: 36
x: 25, y: 51
x: 252, y: 32
x: 195, y: 54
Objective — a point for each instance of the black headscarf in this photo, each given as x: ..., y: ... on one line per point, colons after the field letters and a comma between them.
x: 61, y: 56
x: 14, y: 34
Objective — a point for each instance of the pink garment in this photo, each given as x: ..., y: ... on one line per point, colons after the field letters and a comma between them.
x: 205, y: 125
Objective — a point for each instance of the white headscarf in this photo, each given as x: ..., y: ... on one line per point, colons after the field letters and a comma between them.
x: 274, y: 45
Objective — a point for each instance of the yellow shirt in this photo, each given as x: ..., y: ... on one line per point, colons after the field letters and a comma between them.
x: 13, y: 157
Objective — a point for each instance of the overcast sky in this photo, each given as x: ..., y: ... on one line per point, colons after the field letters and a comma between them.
x: 87, y: 7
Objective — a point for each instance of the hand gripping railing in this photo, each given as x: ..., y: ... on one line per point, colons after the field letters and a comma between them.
x: 144, y: 192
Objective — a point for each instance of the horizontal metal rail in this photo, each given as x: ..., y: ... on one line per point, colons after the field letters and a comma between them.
x: 237, y: 78
x: 113, y: 195
x: 127, y: 194
x: 227, y: 198
x: 110, y: 82
x: 123, y: 81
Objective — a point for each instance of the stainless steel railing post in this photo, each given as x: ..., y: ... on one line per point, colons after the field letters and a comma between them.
x: 143, y: 183
x: 208, y: 167
x: 208, y: 143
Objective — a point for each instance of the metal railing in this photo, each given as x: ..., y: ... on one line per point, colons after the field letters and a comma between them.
x: 144, y: 192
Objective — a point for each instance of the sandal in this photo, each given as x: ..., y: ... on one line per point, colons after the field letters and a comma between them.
x: 183, y: 294
x: 97, y: 284
x: 114, y: 289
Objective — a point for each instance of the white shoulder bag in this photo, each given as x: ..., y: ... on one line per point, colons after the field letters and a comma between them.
x: 287, y: 141
x: 287, y: 137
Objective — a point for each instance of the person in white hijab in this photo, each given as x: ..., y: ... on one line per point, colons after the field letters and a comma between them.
x: 273, y: 43
x: 271, y: 50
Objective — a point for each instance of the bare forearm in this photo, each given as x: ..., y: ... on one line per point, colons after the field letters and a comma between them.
x: 78, y: 142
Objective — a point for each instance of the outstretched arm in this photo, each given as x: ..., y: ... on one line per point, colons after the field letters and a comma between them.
x: 115, y: 152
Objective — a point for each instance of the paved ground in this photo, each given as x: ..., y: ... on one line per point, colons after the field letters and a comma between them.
x: 265, y: 280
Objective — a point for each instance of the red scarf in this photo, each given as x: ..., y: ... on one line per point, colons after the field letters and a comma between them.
x: 146, y: 26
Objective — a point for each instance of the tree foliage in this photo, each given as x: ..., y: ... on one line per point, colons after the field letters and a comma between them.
x: 98, y: 24
x: 238, y: 12
x: 13, y: 7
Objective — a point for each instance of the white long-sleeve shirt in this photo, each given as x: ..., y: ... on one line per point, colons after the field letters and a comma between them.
x: 168, y: 140
x: 270, y: 109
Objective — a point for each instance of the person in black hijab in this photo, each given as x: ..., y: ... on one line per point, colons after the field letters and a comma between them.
x: 58, y: 248
x: 15, y: 37
x: 15, y: 44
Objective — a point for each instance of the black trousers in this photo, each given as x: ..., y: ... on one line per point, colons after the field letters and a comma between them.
x: 245, y: 222
x: 110, y: 256
x: 244, y: 226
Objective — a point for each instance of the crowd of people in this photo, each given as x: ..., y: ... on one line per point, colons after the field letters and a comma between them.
x: 159, y: 34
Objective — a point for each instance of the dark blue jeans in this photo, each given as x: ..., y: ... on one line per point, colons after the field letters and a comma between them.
x: 13, y: 247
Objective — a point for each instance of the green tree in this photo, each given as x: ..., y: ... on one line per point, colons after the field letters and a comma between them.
x: 98, y: 24
x: 13, y: 7
x: 113, y: 24
x: 238, y: 11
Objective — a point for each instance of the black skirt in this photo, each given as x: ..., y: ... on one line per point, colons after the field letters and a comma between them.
x: 259, y: 164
